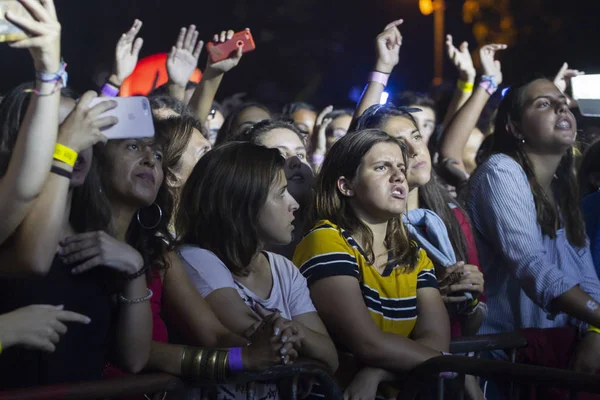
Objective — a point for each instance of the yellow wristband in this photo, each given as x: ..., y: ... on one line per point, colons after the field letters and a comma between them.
x: 65, y: 154
x: 466, y: 87
x: 593, y: 329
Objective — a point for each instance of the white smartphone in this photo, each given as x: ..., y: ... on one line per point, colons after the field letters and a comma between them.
x: 586, y: 90
x: 134, y: 114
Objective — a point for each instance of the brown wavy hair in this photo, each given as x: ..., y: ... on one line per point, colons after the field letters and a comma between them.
x: 344, y: 159
x: 222, y: 199
x: 564, y: 186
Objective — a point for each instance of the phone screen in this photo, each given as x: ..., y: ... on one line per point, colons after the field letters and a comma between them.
x: 586, y: 87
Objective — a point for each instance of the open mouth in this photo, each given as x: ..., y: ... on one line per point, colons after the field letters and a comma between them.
x: 296, y: 178
x: 399, y: 192
x: 147, y: 177
x: 564, y: 124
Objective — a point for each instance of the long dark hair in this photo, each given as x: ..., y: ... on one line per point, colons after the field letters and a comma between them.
x: 255, y: 134
x: 222, y: 199
x: 12, y: 111
x: 225, y: 133
x: 564, y: 186
x: 153, y: 244
x: 344, y: 159
x: 432, y: 195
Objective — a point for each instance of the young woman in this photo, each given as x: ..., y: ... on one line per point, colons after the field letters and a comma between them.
x: 304, y: 116
x: 288, y: 139
x: 240, y: 119
x: 589, y: 185
x: 523, y: 203
x: 358, y: 257
x: 224, y: 246
x: 435, y: 220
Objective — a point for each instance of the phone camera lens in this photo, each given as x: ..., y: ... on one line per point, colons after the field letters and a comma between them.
x: 240, y: 43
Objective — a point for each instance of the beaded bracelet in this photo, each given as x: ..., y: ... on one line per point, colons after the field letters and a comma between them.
x: 124, y: 300
x: 136, y: 275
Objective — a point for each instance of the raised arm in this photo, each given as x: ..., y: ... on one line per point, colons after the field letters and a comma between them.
x: 461, y: 58
x: 127, y: 52
x: 33, y: 246
x: 387, y: 45
x: 31, y: 156
x: 201, y: 101
x: 182, y: 61
x: 457, y: 134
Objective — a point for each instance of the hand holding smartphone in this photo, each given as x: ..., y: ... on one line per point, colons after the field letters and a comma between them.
x: 134, y: 114
x: 221, y: 51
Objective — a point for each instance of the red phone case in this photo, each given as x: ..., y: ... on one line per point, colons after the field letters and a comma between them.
x: 221, y: 51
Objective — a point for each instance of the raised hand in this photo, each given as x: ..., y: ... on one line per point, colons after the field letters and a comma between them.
x: 229, y: 63
x: 98, y: 249
x: 127, y: 53
x: 461, y: 58
x: 562, y: 80
x: 489, y: 65
x: 37, y: 327
x: 388, y: 45
x: 44, y: 30
x: 83, y: 126
x: 183, y: 57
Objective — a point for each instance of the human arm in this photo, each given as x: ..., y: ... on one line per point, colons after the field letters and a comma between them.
x: 458, y: 131
x: 387, y: 45
x: 33, y: 246
x: 37, y: 326
x: 461, y: 58
x: 133, y: 321
x: 202, y: 99
x: 198, y: 324
x: 182, y: 61
x: 127, y: 53
x: 31, y: 158
x: 506, y: 216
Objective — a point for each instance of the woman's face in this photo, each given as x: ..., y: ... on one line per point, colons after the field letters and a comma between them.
x: 276, y: 216
x: 214, y: 122
x: 305, y: 120
x: 337, y: 129
x: 419, y: 159
x: 378, y: 192
x: 135, y: 171
x: 247, y: 118
x: 426, y: 121
x: 298, y: 172
x: 547, y: 124
x: 196, y: 148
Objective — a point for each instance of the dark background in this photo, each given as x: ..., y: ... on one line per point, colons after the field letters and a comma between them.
x: 319, y: 50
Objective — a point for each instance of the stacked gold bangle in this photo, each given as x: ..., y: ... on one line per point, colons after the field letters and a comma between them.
x: 209, y: 364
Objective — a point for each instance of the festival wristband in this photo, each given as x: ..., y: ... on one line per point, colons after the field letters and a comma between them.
x: 465, y: 87
x: 109, y: 90
x: 593, y: 329
x: 317, y: 159
x: 488, y: 86
x: 379, y: 77
x: 65, y: 154
x: 235, y: 359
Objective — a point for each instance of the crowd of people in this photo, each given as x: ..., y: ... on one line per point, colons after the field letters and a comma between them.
x: 241, y: 238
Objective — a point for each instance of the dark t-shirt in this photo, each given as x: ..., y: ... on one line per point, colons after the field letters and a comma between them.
x: 81, y: 353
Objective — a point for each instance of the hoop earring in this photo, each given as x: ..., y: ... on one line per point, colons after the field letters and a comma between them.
x: 160, y: 214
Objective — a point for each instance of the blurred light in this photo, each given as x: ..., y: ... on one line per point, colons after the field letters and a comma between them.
x: 503, y: 92
x: 426, y: 6
x: 384, y: 98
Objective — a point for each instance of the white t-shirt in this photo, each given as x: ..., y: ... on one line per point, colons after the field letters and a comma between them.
x: 289, y: 295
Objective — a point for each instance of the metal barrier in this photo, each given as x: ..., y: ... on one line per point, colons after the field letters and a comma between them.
x: 156, y: 383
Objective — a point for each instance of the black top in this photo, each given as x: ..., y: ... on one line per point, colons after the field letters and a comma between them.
x: 81, y: 353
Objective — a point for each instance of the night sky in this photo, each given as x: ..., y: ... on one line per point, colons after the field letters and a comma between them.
x: 314, y: 50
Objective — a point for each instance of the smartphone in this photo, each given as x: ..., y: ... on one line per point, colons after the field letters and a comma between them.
x: 8, y: 31
x: 586, y: 90
x: 221, y: 51
x: 134, y: 114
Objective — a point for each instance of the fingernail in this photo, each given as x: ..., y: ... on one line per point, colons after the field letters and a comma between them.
x: 284, y: 339
x: 277, y: 331
x: 87, y: 321
x: 283, y: 351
